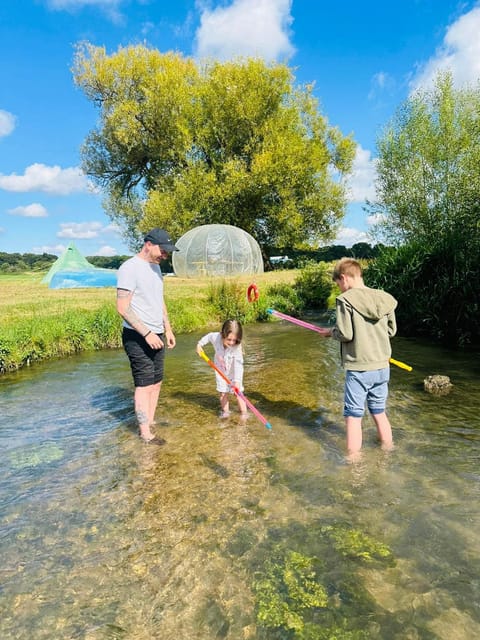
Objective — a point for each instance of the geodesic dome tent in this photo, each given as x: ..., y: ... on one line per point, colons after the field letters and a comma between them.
x: 216, y: 250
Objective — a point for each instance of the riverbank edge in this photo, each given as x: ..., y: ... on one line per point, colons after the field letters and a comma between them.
x: 49, y: 324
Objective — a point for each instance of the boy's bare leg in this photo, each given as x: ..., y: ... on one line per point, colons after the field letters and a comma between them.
x: 384, y: 430
x: 354, y: 435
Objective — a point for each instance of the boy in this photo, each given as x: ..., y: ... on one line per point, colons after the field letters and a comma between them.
x: 364, y: 325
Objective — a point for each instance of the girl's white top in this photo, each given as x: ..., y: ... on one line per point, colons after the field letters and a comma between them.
x: 227, y: 359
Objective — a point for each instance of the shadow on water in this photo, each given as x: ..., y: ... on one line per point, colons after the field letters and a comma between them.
x: 294, y: 413
x: 116, y: 404
x: 230, y: 530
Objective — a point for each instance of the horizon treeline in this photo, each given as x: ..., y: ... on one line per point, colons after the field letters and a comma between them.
x: 20, y: 262
x: 295, y: 258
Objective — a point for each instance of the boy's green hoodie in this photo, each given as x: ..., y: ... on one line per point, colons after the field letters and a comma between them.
x: 365, y: 323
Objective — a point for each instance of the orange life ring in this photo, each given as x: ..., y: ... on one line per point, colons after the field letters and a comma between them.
x: 252, y: 292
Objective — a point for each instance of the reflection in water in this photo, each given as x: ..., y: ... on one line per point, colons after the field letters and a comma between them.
x: 105, y: 537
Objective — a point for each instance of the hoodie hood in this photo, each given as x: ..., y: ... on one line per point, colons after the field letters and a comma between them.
x: 372, y: 304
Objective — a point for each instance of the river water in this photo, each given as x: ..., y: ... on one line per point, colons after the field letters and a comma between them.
x: 231, y: 530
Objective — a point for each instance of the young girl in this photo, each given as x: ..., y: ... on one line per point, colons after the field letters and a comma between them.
x: 229, y: 359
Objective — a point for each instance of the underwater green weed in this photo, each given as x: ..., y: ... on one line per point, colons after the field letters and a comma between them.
x: 312, y: 591
x: 288, y: 588
x: 35, y: 455
x: 353, y: 543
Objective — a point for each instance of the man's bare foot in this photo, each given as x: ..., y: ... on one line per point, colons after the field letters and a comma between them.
x: 146, y: 433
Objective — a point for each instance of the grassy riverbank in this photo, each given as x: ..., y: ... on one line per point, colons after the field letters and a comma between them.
x: 40, y: 323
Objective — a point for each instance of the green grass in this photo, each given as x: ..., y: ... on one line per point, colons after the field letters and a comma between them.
x: 40, y: 323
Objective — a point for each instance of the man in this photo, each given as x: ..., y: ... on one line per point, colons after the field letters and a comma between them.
x: 146, y: 327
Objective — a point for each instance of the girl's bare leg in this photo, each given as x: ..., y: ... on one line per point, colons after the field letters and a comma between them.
x: 242, y: 406
x: 225, y: 405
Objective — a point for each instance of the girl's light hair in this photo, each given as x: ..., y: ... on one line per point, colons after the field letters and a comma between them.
x: 232, y: 326
x: 348, y: 267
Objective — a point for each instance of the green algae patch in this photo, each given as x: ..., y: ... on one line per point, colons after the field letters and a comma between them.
x: 353, y: 543
x: 36, y: 455
x: 288, y: 590
x: 313, y: 591
x: 315, y: 632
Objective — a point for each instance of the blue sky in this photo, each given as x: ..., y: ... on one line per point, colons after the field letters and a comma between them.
x: 364, y: 58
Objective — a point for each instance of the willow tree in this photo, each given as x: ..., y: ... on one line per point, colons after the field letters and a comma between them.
x: 179, y: 144
x: 428, y: 198
x: 428, y: 183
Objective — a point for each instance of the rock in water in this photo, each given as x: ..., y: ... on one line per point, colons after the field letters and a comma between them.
x: 437, y: 385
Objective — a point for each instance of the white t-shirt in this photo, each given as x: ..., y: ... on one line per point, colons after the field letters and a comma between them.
x: 145, y: 279
x: 228, y: 359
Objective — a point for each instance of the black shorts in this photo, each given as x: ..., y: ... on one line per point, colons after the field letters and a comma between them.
x: 146, y: 363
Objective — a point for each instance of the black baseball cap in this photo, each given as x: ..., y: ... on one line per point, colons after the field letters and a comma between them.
x: 160, y: 237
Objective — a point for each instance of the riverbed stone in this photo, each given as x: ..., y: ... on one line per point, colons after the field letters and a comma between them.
x: 437, y: 385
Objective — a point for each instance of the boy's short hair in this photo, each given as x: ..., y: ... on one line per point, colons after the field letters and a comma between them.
x: 347, y: 267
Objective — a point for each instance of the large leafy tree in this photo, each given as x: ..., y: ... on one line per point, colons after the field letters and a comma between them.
x: 428, y: 183
x: 179, y: 144
x: 428, y: 197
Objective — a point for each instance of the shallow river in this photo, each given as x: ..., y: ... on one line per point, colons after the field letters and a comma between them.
x: 230, y: 530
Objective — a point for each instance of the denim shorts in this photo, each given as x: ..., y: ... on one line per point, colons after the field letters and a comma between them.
x: 370, y: 387
x: 146, y: 363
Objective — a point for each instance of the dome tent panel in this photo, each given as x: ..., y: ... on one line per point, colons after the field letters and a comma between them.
x: 72, y: 270
x: 217, y: 250
x: 70, y: 260
x: 95, y: 277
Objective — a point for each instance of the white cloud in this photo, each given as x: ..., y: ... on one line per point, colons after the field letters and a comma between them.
x: 459, y: 54
x: 7, y: 123
x: 380, y: 79
x: 380, y: 84
x: 112, y: 228
x: 361, y: 183
x: 146, y: 28
x: 375, y: 218
x: 56, y: 250
x: 81, y: 230
x: 106, y: 251
x: 349, y: 236
x: 33, y: 210
x: 53, y: 180
x: 109, y: 7
x: 246, y: 28
x: 79, y: 4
